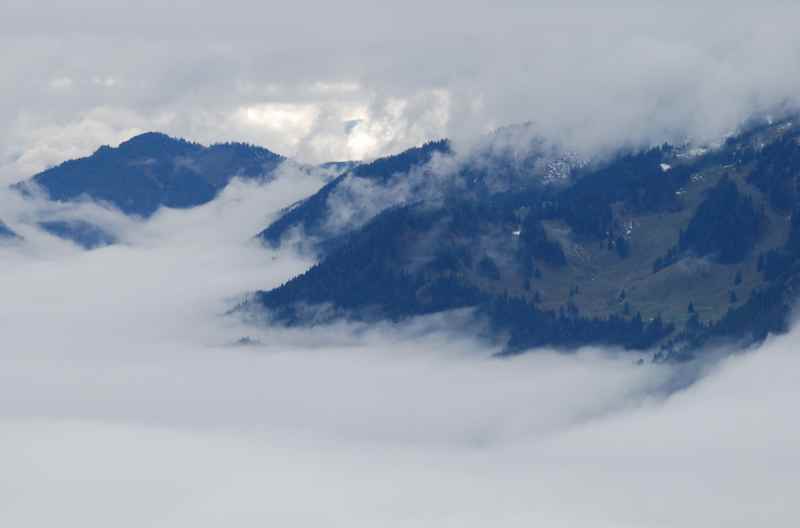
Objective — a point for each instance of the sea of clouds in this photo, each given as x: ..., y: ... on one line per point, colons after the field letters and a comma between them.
x: 127, y: 399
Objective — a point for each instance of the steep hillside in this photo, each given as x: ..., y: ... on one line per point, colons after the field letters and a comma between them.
x: 669, y: 247
x: 320, y: 216
x: 511, y: 159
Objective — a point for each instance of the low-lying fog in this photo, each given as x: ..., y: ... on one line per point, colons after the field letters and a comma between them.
x: 124, y: 401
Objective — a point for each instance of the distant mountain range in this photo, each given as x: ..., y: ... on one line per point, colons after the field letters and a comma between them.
x: 147, y: 172
x: 154, y: 170
x: 669, y: 248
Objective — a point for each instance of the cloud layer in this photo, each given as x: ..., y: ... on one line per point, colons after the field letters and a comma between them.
x: 125, y: 399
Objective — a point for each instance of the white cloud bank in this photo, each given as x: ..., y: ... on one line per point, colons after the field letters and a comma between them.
x: 122, y: 403
x: 295, y: 77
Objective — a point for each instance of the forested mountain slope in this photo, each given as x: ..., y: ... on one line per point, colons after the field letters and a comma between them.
x: 668, y: 247
x: 511, y: 159
x: 328, y: 213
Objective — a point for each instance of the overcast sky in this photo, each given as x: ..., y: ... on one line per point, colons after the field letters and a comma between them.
x: 122, y: 400
x: 349, y: 80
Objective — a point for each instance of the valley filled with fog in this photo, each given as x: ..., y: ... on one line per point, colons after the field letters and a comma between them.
x: 293, y: 265
x: 131, y: 395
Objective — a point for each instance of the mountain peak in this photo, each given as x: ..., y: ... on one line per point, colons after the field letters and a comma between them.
x: 244, y: 149
x: 150, y: 143
x: 152, y: 169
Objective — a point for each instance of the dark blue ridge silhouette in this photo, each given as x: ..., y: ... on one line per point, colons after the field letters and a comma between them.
x: 153, y: 170
x: 85, y: 234
x: 6, y: 232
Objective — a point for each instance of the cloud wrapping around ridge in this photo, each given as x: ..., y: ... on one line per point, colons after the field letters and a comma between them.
x: 124, y: 398
x: 356, y: 80
x: 124, y: 401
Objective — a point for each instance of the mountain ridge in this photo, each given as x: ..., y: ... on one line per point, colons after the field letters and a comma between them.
x: 152, y: 170
x: 506, y: 160
x: 656, y: 248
